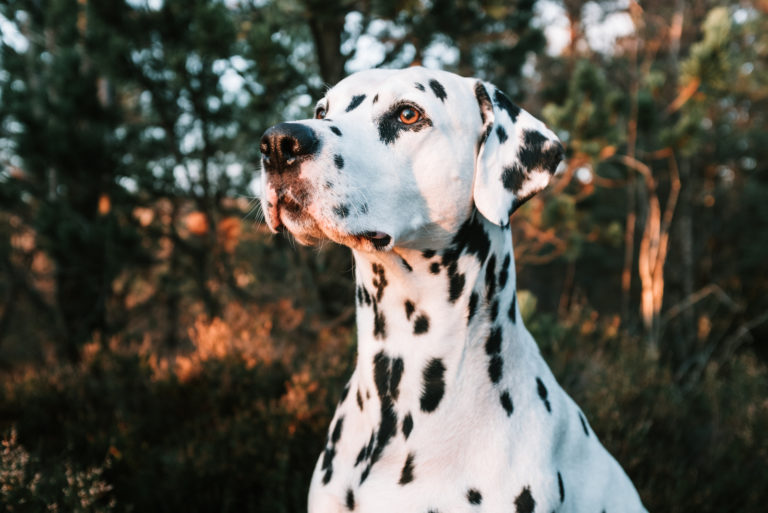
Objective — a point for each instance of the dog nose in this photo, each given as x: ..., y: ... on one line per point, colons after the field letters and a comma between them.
x: 283, y: 145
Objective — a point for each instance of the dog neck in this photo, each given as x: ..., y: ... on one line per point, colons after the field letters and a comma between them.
x: 430, y: 318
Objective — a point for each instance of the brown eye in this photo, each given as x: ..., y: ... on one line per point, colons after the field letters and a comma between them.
x: 320, y: 113
x: 409, y: 115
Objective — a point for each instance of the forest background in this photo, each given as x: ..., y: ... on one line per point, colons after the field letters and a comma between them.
x: 161, y: 351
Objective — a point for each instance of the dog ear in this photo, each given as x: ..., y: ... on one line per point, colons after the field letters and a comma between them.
x: 516, y: 157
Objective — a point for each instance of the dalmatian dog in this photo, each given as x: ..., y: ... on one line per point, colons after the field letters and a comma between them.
x: 451, y: 407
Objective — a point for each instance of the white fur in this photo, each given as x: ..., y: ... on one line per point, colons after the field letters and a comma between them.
x: 419, y: 190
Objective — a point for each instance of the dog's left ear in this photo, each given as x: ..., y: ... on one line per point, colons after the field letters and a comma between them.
x: 516, y: 156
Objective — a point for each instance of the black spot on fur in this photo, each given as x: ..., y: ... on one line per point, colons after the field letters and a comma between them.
x: 506, y: 402
x: 328, y: 184
x: 407, y: 425
x: 470, y: 237
x: 504, y: 272
x: 455, y: 287
x: 379, y: 323
x: 490, y: 278
x: 397, y: 374
x: 336, y: 130
x: 501, y: 134
x: 406, y: 265
x: 364, y: 208
x: 376, y: 98
x: 419, y: 87
x: 350, y: 499
x: 341, y: 210
x: 561, y: 487
x: 434, y: 268
x: 433, y: 385
x: 524, y: 502
x: 438, y: 89
x: 359, y: 400
x: 421, y: 325
x: 495, y: 368
x: 512, y: 312
x: 387, y: 373
x: 379, y: 280
x: 339, y: 161
x: 583, y: 424
x: 542, y: 390
x: 406, y: 475
x: 356, y: 100
x: 360, y: 455
x: 494, y: 309
x: 533, y: 155
x: 409, y: 309
x: 472, y: 306
x: 474, y: 496
x: 513, y: 177
x: 359, y: 291
x: 336, y: 435
x: 428, y: 253
x: 493, y: 342
x: 503, y: 101
x: 483, y: 101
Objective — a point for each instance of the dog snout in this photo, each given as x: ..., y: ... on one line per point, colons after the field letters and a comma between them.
x: 286, y: 144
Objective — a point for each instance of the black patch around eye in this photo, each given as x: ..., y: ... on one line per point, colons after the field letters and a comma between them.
x: 356, y: 100
x: 505, y: 103
x: 502, y: 134
x: 390, y: 126
x: 336, y: 130
x: 513, y: 177
x: 339, y: 161
x: 341, y: 210
x: 419, y: 87
x: 438, y: 89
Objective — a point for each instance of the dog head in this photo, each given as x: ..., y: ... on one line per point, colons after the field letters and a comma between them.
x: 400, y: 157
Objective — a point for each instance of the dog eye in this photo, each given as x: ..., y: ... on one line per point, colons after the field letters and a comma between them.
x: 320, y: 113
x: 409, y: 115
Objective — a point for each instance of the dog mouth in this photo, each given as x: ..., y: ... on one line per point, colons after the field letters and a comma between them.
x: 380, y: 241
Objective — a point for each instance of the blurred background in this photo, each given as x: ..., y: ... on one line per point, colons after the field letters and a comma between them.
x: 161, y: 351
